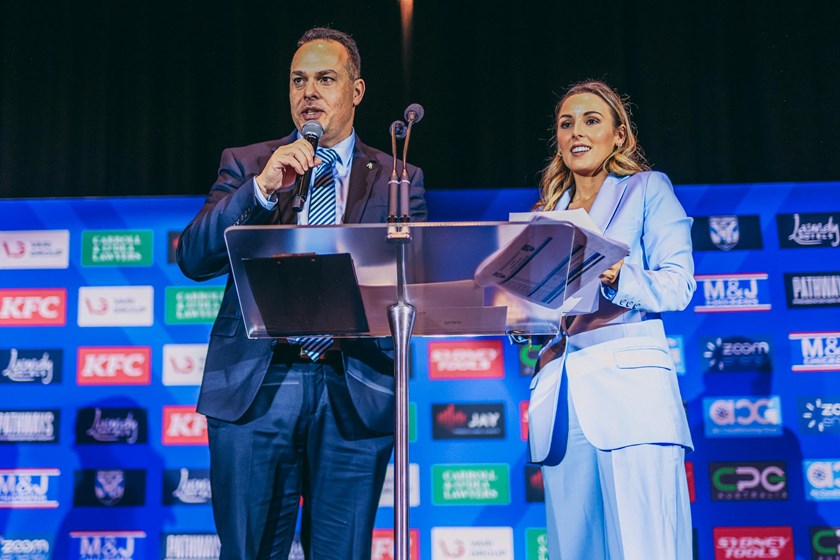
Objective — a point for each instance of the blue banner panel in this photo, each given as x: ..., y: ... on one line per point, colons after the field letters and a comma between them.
x: 102, y: 345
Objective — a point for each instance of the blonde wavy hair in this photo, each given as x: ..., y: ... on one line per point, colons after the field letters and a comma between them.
x: 625, y: 160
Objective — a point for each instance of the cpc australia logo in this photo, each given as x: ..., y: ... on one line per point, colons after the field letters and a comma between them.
x: 825, y: 543
x: 748, y: 481
x: 737, y: 354
x: 743, y: 416
x: 732, y: 292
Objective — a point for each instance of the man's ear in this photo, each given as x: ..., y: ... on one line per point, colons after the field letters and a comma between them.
x: 358, y: 91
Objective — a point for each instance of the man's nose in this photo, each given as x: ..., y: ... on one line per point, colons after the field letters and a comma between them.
x: 310, y: 89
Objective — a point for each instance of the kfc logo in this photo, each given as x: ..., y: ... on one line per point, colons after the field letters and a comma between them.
x: 38, y: 307
x: 182, y: 425
x: 114, y: 365
x: 471, y: 359
x: 383, y: 545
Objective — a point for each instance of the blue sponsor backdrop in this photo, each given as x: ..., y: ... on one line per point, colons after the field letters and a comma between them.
x: 757, y: 353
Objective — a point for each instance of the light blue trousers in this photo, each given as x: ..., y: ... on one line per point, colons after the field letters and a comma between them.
x: 626, y: 504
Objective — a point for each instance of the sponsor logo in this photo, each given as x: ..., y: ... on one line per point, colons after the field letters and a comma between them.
x: 383, y: 545
x: 825, y: 543
x: 485, y: 484
x: 35, y: 249
x: 109, y: 487
x: 109, y: 545
x: 22, y: 548
x: 29, y: 426
x: 536, y: 544
x: 31, y: 366
x: 193, y: 305
x: 192, y: 546
x: 689, y: 478
x: 753, y: 542
x: 743, y: 416
x: 534, y: 489
x: 748, y: 481
x: 812, y: 289
x: 815, y: 351
x: 822, y: 480
x: 468, y: 421
x: 114, y: 365
x: 412, y: 421
x: 35, y: 307
x: 466, y: 359
x: 724, y: 233
x: 386, y: 498
x: 172, y: 239
x: 677, y: 349
x: 472, y: 542
x: 117, y: 248
x: 111, y: 425
x: 28, y: 488
x: 820, y: 415
x: 183, y: 364
x: 732, y: 292
x: 737, y: 354
x: 186, y: 487
x: 116, y: 306
x: 528, y: 355
x: 808, y: 230
x: 523, y: 420
x: 182, y: 425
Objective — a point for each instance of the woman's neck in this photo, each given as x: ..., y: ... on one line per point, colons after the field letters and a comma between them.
x: 586, y: 188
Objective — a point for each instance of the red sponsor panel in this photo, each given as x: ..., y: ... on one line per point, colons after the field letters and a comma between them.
x: 383, y: 545
x: 689, y: 477
x: 36, y: 307
x: 523, y: 420
x: 114, y: 365
x: 466, y: 359
x: 182, y: 425
x: 754, y: 542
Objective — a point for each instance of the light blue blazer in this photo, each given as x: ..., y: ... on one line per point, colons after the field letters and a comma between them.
x: 617, y: 366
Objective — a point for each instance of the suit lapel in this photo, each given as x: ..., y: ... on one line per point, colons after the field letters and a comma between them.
x: 606, y: 203
x: 363, y: 174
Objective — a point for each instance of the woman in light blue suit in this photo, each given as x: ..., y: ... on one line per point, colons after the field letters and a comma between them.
x: 606, y: 417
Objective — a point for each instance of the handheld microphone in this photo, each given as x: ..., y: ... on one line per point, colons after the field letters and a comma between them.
x: 413, y: 114
x: 311, y: 131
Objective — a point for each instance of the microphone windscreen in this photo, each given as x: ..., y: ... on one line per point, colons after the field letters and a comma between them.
x: 417, y: 109
x: 312, y: 128
x: 397, y: 129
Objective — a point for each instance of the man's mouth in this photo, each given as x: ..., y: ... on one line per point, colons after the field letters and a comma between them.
x: 311, y: 113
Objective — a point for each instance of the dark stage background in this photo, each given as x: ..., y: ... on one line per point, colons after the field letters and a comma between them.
x: 139, y: 98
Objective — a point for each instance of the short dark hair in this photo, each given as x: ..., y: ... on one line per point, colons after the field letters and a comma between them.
x: 354, y: 66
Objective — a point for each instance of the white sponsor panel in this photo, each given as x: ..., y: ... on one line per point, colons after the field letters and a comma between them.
x: 116, y: 306
x: 183, y: 364
x: 386, y: 499
x: 472, y: 542
x: 32, y: 249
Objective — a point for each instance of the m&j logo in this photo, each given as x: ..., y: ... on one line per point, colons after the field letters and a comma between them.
x: 108, y: 545
x: 731, y: 292
x: 815, y: 351
x: 29, y: 488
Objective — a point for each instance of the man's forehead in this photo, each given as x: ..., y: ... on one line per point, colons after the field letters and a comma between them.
x: 318, y: 56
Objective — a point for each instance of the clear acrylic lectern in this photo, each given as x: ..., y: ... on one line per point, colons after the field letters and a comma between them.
x: 531, y: 274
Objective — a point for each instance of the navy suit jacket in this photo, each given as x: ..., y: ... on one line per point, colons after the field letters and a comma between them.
x: 236, y: 365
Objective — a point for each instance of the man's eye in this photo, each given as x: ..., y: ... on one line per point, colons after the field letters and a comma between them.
x: 327, y: 80
x: 297, y: 81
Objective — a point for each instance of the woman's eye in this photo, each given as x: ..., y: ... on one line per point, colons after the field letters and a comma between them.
x: 565, y: 124
x: 591, y: 121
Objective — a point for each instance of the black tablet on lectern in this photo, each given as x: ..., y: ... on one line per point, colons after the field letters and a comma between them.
x: 307, y: 294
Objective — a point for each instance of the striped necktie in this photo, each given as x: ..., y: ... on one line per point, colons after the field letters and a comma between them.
x: 322, y: 210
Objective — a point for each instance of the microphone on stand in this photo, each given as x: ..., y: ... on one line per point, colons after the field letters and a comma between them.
x: 413, y: 115
x: 311, y: 131
x: 397, y: 131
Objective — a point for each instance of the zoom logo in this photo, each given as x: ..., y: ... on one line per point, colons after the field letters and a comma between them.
x: 748, y: 481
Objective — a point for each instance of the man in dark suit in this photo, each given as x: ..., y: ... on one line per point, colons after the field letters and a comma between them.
x: 283, y: 424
